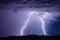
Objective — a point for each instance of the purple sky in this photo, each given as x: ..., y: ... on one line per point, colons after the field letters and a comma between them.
x: 14, y: 15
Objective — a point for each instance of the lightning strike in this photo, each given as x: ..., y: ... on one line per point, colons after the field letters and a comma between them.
x: 45, y: 16
x: 22, y: 29
x: 43, y: 25
x: 43, y: 19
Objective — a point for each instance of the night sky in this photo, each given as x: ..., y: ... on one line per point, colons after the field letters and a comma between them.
x: 14, y: 13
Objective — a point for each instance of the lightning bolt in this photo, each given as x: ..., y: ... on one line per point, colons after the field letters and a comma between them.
x: 43, y: 25
x: 22, y: 29
x: 42, y: 18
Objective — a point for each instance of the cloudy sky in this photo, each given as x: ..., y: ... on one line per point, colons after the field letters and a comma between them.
x: 14, y: 13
